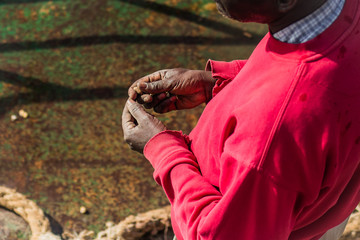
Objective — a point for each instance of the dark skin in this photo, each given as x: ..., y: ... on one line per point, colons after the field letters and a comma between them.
x: 139, y: 125
x: 278, y: 14
x: 185, y: 89
x: 176, y: 89
x: 293, y: 11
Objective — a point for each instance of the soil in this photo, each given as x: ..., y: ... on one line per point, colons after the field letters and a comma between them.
x: 352, y: 230
x: 68, y: 65
x: 13, y: 227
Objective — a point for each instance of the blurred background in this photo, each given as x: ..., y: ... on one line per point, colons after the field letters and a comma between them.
x: 65, y: 67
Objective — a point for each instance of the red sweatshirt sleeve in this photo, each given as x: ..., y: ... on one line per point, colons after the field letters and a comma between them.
x: 234, y: 211
x: 224, y: 72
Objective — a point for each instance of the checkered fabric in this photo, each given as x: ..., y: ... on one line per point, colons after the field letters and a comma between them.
x: 312, y: 25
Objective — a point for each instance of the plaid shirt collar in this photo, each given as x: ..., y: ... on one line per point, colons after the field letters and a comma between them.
x: 312, y: 25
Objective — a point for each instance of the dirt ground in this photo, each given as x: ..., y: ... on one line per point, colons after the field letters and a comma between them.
x: 352, y: 230
x: 68, y: 65
x: 13, y: 227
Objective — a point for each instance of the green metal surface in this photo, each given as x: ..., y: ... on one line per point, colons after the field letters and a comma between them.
x: 68, y: 64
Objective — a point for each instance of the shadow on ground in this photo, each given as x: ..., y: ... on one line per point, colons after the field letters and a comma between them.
x: 68, y: 64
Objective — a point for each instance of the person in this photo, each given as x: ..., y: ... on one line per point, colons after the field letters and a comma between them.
x: 276, y: 152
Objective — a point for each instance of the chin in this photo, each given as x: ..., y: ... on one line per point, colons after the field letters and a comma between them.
x: 249, y: 18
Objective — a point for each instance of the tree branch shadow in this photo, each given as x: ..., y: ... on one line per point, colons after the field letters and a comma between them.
x: 186, y: 15
x: 50, y: 92
x: 237, y: 35
x: 6, y: 2
x: 128, y: 39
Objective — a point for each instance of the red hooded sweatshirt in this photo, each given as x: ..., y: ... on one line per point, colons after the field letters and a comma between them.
x: 276, y: 153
